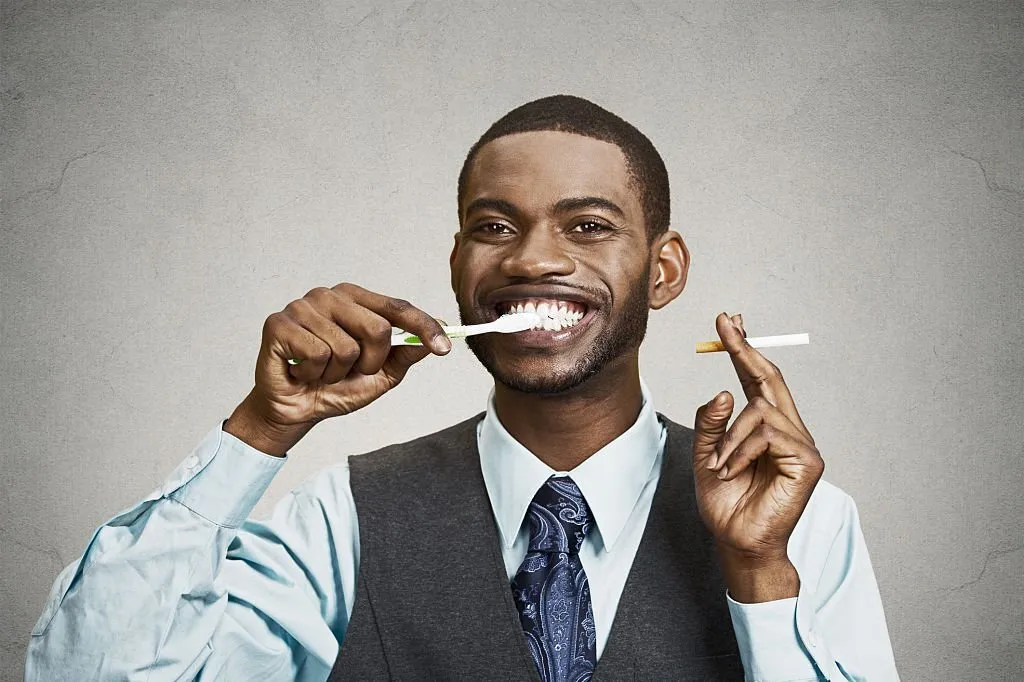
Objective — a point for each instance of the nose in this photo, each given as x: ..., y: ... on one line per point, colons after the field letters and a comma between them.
x: 537, y: 254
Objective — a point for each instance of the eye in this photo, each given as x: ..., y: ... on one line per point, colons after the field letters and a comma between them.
x: 493, y: 228
x: 590, y: 227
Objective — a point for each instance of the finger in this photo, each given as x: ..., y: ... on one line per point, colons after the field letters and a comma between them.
x: 709, y: 425
x: 793, y: 458
x: 345, y: 351
x: 758, y: 376
x: 401, y: 314
x: 757, y: 412
x: 737, y: 320
x: 285, y: 338
x: 371, y: 331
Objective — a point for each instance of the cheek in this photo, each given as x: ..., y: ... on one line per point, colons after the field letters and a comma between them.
x: 466, y: 274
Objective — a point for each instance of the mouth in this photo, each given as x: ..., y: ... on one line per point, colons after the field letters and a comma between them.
x: 559, y: 321
x: 553, y: 315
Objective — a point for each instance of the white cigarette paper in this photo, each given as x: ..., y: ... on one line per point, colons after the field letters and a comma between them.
x: 759, y: 342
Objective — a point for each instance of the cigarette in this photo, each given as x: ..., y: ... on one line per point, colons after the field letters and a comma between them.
x: 759, y: 342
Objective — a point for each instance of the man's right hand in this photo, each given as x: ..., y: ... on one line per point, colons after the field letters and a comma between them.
x: 342, y: 336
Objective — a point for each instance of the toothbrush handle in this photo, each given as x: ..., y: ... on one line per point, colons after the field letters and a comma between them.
x: 402, y: 338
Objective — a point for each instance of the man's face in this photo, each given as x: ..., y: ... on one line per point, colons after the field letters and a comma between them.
x: 552, y: 219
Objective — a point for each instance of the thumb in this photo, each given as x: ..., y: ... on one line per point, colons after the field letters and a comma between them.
x: 400, y: 360
x: 709, y: 426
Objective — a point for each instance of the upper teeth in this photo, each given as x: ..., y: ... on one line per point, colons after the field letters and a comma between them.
x: 551, y: 315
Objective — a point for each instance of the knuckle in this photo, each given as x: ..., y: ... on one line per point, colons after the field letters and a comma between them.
x: 379, y: 328
x: 319, y: 295
x: 272, y: 324
x: 774, y: 372
x: 321, y: 354
x: 316, y: 292
x: 348, y: 352
x: 343, y: 288
x: 398, y: 305
x: 297, y: 307
x: 760, y: 403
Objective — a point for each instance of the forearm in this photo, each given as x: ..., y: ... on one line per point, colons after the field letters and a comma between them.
x: 146, y: 595
x: 833, y: 627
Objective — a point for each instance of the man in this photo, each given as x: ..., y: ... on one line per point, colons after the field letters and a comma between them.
x: 568, y: 533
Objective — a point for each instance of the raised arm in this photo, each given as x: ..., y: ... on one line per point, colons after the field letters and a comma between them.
x: 802, y: 594
x: 181, y: 586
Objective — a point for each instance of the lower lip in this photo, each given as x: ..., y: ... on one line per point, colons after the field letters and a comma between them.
x: 545, y: 338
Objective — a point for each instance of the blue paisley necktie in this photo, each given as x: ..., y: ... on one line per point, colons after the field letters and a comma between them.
x: 551, y: 589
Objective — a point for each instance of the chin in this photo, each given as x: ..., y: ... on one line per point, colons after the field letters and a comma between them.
x: 536, y: 373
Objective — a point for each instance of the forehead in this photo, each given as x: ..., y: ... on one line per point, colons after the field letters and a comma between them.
x: 541, y: 167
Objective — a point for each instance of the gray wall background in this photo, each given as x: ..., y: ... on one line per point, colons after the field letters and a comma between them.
x: 176, y: 171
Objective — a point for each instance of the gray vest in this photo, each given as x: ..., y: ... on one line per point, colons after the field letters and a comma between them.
x: 433, y: 601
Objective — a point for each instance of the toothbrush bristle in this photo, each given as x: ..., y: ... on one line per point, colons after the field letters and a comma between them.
x: 517, y: 322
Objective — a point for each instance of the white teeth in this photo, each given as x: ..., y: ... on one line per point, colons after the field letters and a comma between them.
x: 551, y: 316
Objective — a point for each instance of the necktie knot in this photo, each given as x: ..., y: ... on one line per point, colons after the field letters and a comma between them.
x: 559, y: 517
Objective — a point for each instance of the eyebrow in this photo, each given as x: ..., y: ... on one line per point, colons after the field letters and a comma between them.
x: 577, y: 203
x: 499, y: 205
x: 561, y: 206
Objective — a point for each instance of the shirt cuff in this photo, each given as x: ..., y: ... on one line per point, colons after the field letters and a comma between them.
x: 223, y: 478
x: 769, y: 644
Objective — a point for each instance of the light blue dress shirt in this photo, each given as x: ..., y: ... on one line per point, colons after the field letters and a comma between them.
x: 181, y: 586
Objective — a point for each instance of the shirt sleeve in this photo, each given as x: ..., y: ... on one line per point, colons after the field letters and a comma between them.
x: 182, y: 587
x: 835, y: 628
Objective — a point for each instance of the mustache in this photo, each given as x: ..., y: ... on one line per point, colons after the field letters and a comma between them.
x: 586, y: 292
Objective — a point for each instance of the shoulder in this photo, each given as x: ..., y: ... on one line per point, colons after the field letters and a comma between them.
x: 334, y: 483
x: 457, y: 441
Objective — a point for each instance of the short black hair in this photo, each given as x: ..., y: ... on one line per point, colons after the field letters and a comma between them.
x: 570, y: 114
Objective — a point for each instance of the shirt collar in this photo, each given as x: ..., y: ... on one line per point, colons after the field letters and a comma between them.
x: 611, y: 479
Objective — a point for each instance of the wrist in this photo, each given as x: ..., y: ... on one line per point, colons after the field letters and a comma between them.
x: 755, y: 579
x: 247, y: 425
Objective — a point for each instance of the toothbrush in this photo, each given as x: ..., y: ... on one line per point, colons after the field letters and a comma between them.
x: 506, y: 324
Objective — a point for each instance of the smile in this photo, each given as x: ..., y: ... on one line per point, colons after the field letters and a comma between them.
x: 552, y: 314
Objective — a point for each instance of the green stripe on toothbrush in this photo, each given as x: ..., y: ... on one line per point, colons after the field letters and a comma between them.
x: 452, y: 334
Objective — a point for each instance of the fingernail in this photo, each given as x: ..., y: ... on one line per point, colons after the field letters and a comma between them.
x: 723, y: 473
x: 444, y: 342
x: 712, y: 461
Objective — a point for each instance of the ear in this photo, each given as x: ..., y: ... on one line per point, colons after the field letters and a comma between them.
x: 451, y: 261
x: 670, y: 263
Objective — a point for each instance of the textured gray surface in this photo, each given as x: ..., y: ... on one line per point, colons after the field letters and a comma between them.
x: 176, y: 171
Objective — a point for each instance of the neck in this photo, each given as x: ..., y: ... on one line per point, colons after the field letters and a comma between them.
x: 563, y: 430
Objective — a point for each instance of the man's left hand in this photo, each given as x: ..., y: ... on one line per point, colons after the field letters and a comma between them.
x: 753, y: 479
